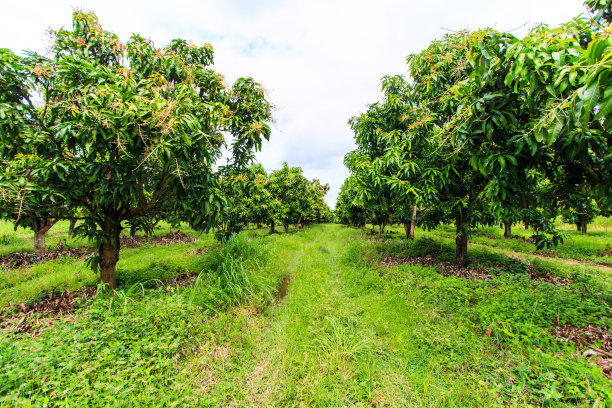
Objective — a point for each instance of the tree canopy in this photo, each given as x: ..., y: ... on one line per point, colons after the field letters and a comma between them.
x: 490, y: 128
x: 123, y: 130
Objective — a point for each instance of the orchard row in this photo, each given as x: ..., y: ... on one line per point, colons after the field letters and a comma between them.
x: 487, y: 128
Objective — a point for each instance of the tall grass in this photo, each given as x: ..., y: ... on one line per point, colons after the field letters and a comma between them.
x: 227, y: 279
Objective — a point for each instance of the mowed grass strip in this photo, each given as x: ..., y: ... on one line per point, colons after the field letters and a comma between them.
x: 346, y: 337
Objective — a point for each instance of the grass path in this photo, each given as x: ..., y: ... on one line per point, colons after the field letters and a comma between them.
x: 346, y: 337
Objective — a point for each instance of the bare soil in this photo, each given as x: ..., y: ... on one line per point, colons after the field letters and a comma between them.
x: 283, y: 288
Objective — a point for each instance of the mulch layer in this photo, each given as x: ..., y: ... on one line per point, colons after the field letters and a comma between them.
x: 39, y: 314
x: 25, y: 259
x: 183, y: 280
x: 176, y: 237
x: 607, y: 251
x: 51, y: 305
x: 586, y: 338
x: 528, y: 240
x: 480, y: 272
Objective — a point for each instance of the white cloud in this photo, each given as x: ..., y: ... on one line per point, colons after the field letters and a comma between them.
x: 320, y: 60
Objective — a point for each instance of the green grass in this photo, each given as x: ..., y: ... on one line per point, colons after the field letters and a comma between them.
x: 579, y: 253
x: 499, y: 249
x: 141, y: 264
x: 132, y: 347
x: 351, y: 332
x: 22, y: 240
x: 345, y: 338
x: 575, y: 246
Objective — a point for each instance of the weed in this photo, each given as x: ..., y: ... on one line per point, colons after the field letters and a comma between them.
x: 425, y: 246
x: 341, y: 340
x: 149, y: 276
x: 227, y: 281
x: 7, y: 239
x: 515, y: 266
x: 236, y: 247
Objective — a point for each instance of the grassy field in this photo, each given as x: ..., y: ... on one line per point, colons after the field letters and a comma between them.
x: 314, y: 318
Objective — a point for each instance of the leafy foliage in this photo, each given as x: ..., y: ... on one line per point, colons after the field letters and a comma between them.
x: 488, y: 128
x: 125, y: 130
x: 285, y: 195
x: 299, y: 200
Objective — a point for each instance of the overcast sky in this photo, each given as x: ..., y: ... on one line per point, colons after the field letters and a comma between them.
x: 320, y: 61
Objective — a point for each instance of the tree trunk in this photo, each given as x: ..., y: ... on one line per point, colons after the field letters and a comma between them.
x: 461, y: 240
x: 286, y: 227
x: 578, y: 227
x: 39, y: 241
x: 584, y: 228
x: 407, y: 229
x: 109, y: 253
x: 526, y: 225
x: 73, y: 222
x: 150, y: 229
x: 258, y: 226
x: 40, y: 228
x: 272, y: 227
x: 413, y: 221
x: 507, y: 229
x: 382, y: 227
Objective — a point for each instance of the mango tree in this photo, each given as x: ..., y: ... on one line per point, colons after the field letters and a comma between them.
x: 20, y: 200
x: 562, y: 79
x: 458, y: 187
x: 383, y: 167
x: 26, y: 206
x: 320, y: 211
x: 579, y: 209
x: 128, y: 129
x: 289, y: 188
x: 404, y: 154
x: 248, y: 199
x: 263, y: 206
x: 347, y: 211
